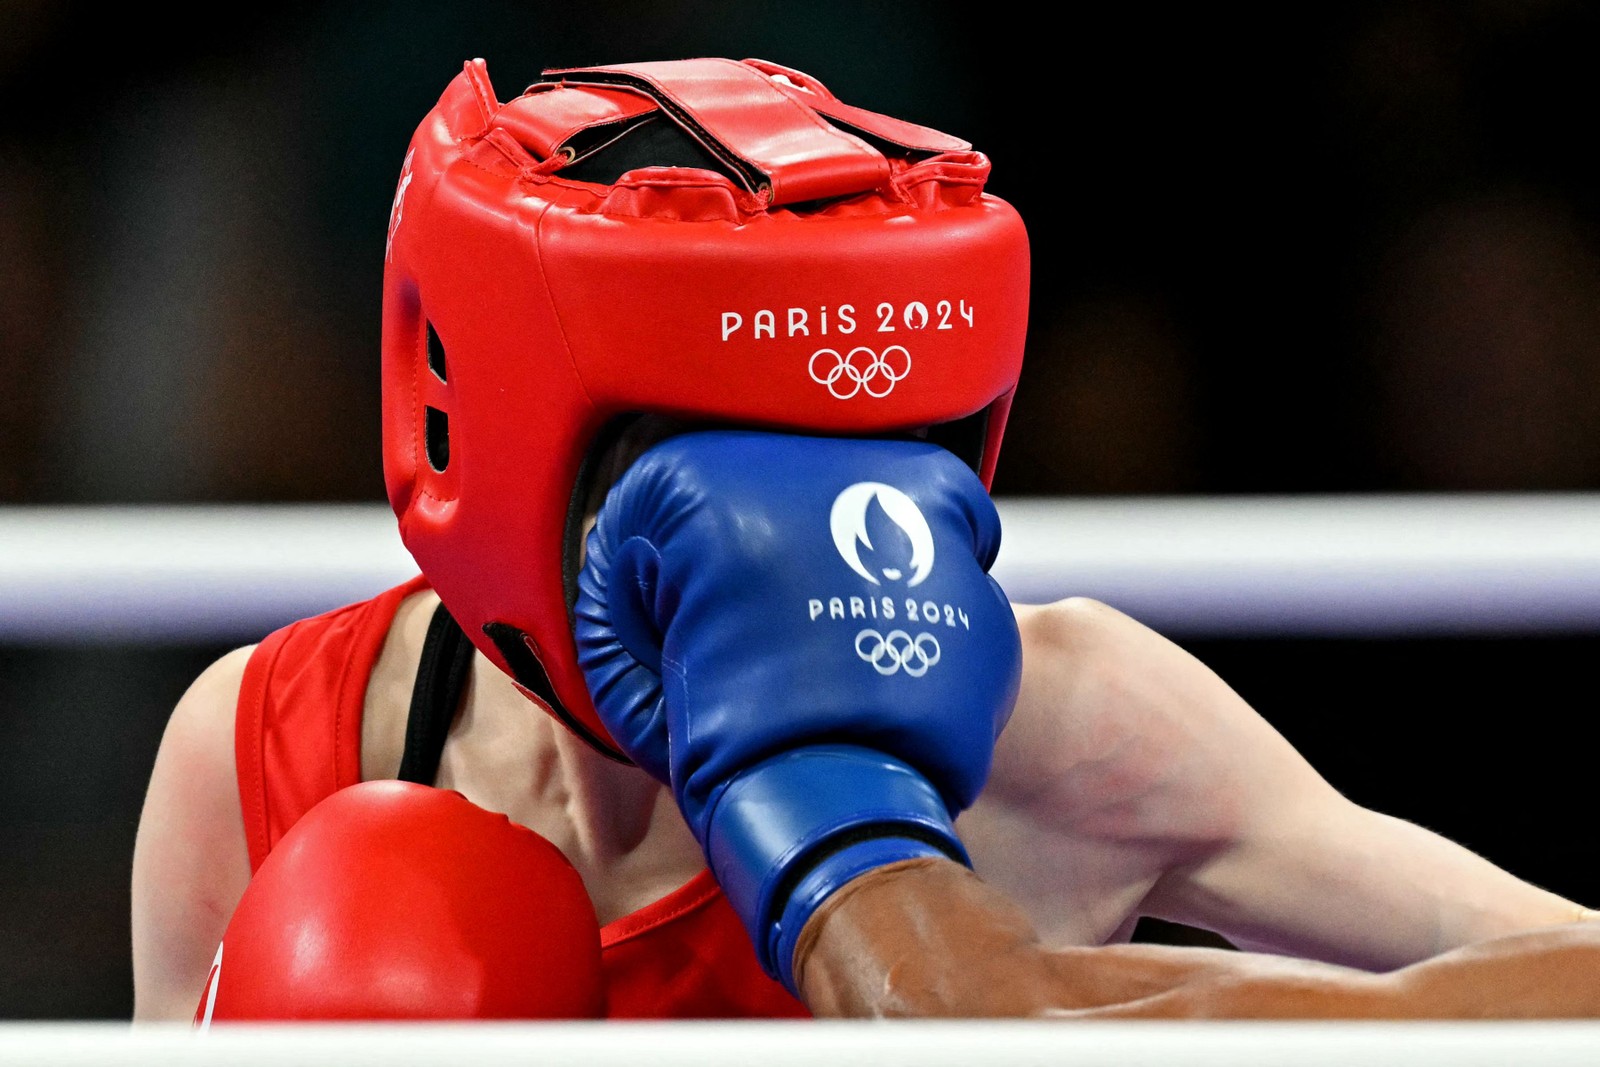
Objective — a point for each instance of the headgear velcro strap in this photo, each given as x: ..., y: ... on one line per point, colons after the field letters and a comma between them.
x: 773, y: 143
x: 552, y: 122
x: 918, y: 140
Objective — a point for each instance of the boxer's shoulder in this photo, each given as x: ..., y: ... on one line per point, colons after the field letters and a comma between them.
x: 216, y: 688
x: 284, y: 718
x: 197, y: 747
x: 1070, y: 648
x: 200, y: 730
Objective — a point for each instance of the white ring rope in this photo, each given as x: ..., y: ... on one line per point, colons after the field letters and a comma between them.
x: 779, y: 1044
x: 1247, y: 565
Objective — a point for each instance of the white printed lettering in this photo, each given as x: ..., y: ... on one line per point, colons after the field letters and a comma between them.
x: 841, y: 319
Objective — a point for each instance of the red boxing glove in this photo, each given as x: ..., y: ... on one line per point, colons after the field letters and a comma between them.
x: 390, y: 900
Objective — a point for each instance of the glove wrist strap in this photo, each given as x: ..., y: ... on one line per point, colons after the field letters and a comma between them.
x: 788, y: 832
x: 829, y: 875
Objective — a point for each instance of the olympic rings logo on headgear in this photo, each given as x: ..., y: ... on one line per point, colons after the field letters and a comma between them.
x: 898, y: 651
x: 848, y: 375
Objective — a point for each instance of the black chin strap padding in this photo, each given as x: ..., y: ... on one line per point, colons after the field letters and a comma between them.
x: 442, y: 676
x: 530, y: 674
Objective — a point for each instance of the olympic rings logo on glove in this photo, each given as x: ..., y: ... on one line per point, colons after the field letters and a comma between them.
x: 898, y: 651
x: 862, y: 370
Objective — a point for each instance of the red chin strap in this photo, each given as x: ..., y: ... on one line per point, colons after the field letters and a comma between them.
x: 710, y: 240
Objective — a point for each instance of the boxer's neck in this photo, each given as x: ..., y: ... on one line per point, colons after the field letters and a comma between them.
x: 613, y: 809
x: 614, y: 805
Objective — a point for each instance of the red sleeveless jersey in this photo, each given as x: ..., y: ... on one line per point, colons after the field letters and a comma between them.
x: 298, y: 740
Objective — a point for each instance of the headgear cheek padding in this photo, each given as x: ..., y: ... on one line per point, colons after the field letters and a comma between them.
x: 710, y: 240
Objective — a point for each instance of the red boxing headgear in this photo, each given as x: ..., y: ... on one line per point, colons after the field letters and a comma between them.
x: 709, y: 240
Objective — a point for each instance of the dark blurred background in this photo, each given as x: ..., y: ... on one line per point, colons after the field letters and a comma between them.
x: 1340, y: 247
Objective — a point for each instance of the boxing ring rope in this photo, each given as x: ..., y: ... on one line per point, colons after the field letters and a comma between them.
x: 1311, y: 566
x: 1345, y: 565
x: 837, y: 1044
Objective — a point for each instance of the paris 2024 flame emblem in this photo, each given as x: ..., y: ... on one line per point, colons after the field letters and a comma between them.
x: 896, y: 651
x: 848, y: 521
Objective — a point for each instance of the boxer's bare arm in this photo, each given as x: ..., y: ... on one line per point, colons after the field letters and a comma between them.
x: 1538, y: 974
x: 928, y: 938
x: 1124, y: 745
x: 1342, y: 883
x: 190, y: 862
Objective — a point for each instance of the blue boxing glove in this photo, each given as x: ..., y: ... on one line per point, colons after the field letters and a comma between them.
x: 799, y: 635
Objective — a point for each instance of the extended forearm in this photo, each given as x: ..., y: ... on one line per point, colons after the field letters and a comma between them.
x: 1546, y: 974
x: 929, y: 938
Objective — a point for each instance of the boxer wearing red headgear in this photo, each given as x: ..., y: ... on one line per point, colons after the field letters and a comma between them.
x: 802, y: 265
